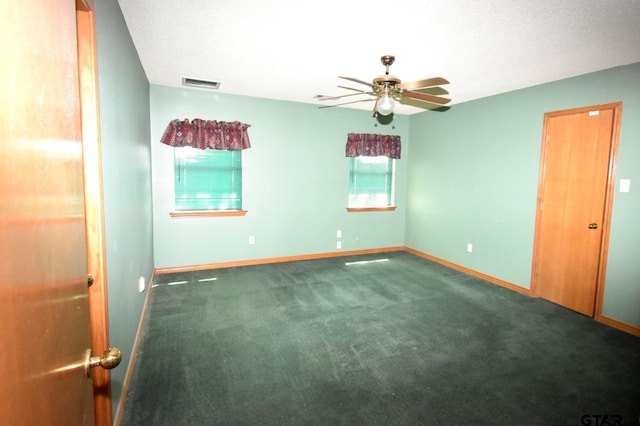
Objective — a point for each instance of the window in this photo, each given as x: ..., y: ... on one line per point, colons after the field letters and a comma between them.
x: 371, y: 182
x: 207, y: 180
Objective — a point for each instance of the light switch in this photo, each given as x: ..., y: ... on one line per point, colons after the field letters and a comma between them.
x: 625, y: 185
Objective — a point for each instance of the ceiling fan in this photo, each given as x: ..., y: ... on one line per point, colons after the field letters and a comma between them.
x: 386, y: 89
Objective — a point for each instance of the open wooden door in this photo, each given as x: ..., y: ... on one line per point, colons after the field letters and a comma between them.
x: 44, y: 309
x: 574, y: 206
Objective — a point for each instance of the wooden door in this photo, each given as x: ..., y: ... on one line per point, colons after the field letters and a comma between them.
x: 43, y: 260
x: 576, y: 186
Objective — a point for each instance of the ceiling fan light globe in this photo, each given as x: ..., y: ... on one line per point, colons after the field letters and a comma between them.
x: 385, y: 105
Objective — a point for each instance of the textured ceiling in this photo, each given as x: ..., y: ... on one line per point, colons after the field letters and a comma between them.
x: 293, y: 50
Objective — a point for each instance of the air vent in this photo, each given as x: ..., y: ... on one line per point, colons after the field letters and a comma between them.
x: 202, y: 84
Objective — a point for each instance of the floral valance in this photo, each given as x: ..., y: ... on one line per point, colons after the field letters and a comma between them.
x: 372, y: 145
x: 203, y: 134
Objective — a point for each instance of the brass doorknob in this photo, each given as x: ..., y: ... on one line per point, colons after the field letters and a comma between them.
x: 108, y: 360
x: 593, y: 226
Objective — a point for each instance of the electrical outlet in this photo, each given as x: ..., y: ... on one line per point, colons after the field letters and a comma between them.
x: 141, y: 284
x: 470, y: 247
x: 252, y: 239
x: 339, y: 234
x: 339, y: 244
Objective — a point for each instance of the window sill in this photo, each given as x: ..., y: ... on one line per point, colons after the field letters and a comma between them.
x: 370, y: 209
x: 208, y: 213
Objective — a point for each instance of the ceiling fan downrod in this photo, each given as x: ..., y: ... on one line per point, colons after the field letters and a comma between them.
x: 387, y: 61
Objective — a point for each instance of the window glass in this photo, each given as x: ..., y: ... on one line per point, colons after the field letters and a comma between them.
x: 371, y: 181
x: 207, y: 179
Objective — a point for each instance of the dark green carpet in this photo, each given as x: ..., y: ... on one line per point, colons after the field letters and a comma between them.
x: 398, y: 342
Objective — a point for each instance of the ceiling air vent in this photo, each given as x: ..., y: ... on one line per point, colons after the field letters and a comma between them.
x: 202, y: 84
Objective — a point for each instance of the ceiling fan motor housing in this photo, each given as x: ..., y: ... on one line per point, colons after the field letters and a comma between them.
x: 390, y: 83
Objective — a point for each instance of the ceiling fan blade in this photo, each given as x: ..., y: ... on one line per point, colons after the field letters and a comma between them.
x: 420, y: 84
x: 426, y: 97
x: 436, y: 90
x: 357, y: 81
x: 424, y: 105
x: 333, y: 98
x: 346, y: 103
x: 351, y: 88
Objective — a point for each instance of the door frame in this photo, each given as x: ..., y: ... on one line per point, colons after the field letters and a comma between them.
x: 94, y: 209
x: 608, y: 203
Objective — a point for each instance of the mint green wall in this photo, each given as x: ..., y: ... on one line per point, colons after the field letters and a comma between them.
x: 126, y: 166
x: 296, y: 180
x: 473, y: 178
